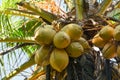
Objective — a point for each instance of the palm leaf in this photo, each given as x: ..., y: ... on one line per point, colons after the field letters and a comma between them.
x: 10, y: 28
x: 19, y: 13
x: 114, y: 14
x: 24, y: 66
x: 37, y: 73
x: 50, y: 17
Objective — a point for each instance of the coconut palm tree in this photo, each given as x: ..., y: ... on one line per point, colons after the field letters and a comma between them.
x: 20, y: 21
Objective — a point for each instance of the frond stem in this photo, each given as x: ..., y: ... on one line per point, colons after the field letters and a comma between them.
x: 15, y: 47
x: 104, y: 6
x: 44, y: 14
x: 25, y: 40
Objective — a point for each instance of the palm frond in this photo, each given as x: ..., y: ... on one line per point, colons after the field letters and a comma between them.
x: 37, y: 73
x: 24, y: 66
x: 8, y: 4
x: 11, y: 26
x: 20, y: 13
x: 50, y: 17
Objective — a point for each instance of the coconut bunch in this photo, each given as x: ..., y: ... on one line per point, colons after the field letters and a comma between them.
x: 108, y: 39
x: 58, y: 45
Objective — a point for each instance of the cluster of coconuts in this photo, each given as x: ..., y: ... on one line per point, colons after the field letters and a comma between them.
x: 108, y: 39
x: 58, y: 46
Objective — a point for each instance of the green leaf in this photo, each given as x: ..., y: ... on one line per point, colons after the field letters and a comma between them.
x: 29, y: 26
x: 8, y: 4
x: 114, y: 13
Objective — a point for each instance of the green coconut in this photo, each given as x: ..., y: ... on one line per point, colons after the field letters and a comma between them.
x: 49, y: 26
x: 118, y: 51
x: 61, y: 40
x: 42, y: 56
x: 109, y: 50
x: 107, y: 32
x: 75, y: 49
x: 98, y: 41
x: 44, y: 36
x: 59, y: 59
x: 73, y: 30
x: 84, y: 43
x: 117, y: 33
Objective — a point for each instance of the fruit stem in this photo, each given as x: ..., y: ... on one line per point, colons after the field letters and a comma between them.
x: 24, y: 66
x: 105, y: 4
x: 24, y: 39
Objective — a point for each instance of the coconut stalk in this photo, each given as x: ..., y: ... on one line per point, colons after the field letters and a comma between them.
x: 43, y: 14
x: 104, y: 6
x: 79, y: 9
x: 24, y: 66
x: 25, y: 39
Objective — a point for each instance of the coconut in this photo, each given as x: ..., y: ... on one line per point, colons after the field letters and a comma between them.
x: 106, y: 32
x: 118, y: 51
x: 75, y: 49
x: 109, y: 50
x: 59, y: 59
x: 44, y: 36
x: 117, y: 33
x: 36, y: 30
x: 49, y: 26
x: 98, y: 41
x: 45, y: 26
x: 42, y: 56
x: 73, y: 30
x: 61, y: 40
x: 84, y: 43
